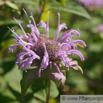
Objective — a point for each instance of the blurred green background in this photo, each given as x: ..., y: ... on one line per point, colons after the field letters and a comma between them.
x: 76, y: 17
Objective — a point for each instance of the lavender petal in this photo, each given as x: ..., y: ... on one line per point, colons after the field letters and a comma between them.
x: 78, y: 53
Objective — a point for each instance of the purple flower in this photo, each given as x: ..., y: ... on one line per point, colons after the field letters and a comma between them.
x: 100, y: 28
x: 41, y: 51
x: 91, y: 3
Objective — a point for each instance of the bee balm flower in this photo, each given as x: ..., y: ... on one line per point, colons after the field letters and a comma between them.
x: 39, y: 50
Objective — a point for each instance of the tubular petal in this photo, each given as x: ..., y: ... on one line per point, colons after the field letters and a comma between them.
x: 32, y: 31
x: 46, y: 26
x: 71, y: 32
x: 21, y: 56
x: 12, y: 47
x: 35, y: 27
x: 63, y: 34
x: 45, y: 60
x: 78, y: 53
x: 73, y: 45
x: 79, y: 42
x: 31, y: 52
x: 28, y: 62
x: 56, y: 67
x: 42, y: 24
x: 60, y: 27
x: 21, y: 28
x: 17, y: 36
x: 50, y: 64
x: 57, y: 32
x: 21, y: 63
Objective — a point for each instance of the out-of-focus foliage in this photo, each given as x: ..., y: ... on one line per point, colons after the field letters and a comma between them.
x: 76, y: 17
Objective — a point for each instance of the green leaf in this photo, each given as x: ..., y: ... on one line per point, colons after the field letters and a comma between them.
x: 14, y: 75
x: 27, y: 1
x: 40, y: 88
x: 27, y: 80
x: 53, y: 90
x: 62, y: 2
x: 10, y: 81
x: 72, y: 7
x: 12, y: 5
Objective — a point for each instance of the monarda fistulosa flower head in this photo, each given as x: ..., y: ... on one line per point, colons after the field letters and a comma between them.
x: 49, y: 55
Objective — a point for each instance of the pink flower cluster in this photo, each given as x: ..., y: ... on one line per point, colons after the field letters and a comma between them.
x: 39, y: 50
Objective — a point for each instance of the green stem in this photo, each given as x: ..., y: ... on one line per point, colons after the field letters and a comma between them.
x: 48, y: 96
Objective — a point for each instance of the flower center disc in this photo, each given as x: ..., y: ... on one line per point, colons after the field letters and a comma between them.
x: 51, y: 46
